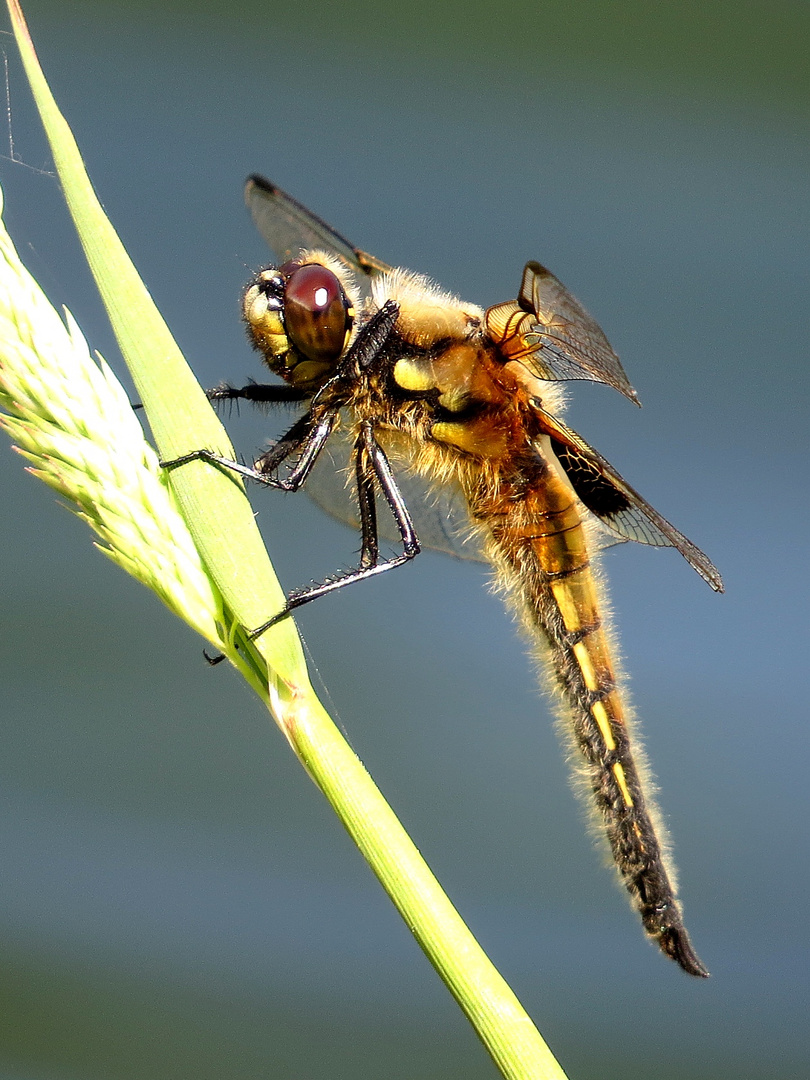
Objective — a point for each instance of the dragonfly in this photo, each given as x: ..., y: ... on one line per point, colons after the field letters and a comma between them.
x: 425, y: 391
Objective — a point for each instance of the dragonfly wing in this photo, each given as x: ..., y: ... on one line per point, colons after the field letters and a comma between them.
x: 549, y: 331
x: 439, y: 514
x: 288, y: 227
x: 617, y: 506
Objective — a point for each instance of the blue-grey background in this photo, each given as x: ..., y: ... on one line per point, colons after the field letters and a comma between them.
x: 176, y: 899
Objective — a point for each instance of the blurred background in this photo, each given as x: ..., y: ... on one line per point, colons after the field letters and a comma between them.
x: 176, y: 898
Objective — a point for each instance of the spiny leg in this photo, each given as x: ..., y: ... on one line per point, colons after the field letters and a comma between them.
x: 306, y: 436
x: 258, y: 393
x: 371, y: 467
x: 367, y: 504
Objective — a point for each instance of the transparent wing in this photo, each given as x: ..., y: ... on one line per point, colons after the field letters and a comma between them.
x: 442, y: 520
x: 288, y: 227
x: 618, y: 507
x: 439, y: 515
x: 549, y: 331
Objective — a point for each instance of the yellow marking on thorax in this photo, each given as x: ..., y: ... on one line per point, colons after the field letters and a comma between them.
x: 462, y: 377
x: 414, y: 375
x: 458, y: 374
x: 479, y: 438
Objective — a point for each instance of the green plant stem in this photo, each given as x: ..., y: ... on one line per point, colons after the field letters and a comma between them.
x: 497, y: 1016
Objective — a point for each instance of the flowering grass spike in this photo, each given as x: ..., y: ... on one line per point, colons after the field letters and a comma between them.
x: 72, y: 419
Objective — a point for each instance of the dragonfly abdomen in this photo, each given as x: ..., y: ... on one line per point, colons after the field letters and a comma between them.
x: 538, y: 541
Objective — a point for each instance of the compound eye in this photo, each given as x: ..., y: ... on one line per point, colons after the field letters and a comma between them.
x: 317, y: 314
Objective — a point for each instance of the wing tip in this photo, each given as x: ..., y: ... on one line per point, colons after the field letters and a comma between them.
x: 716, y: 581
x: 257, y: 180
x: 707, y: 570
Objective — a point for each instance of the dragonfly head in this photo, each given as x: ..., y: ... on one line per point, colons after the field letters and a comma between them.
x: 300, y: 317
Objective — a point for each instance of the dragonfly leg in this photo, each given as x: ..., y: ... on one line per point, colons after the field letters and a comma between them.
x: 372, y: 468
x: 258, y: 393
x: 306, y: 436
x: 370, y: 342
x: 367, y: 503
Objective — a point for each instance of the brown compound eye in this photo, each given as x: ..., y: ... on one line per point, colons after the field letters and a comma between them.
x: 317, y: 315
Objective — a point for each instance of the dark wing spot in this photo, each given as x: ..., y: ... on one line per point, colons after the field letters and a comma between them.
x: 599, y: 494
